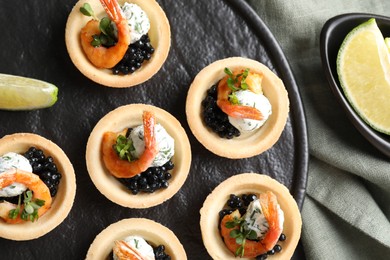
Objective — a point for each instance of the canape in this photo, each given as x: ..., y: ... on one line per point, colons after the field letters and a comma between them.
x: 44, y: 189
x: 127, y: 168
x: 158, y: 238
x: 135, y: 59
x: 250, y: 215
x: 237, y: 107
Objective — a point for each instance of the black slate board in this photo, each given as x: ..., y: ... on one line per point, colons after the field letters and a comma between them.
x: 33, y: 45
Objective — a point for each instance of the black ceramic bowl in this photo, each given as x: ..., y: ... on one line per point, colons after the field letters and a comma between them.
x: 332, y: 35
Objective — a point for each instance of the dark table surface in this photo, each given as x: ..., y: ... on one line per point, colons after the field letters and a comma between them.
x: 33, y: 45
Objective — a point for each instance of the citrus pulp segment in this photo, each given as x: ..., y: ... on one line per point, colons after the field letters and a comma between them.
x: 363, y: 67
x: 22, y: 93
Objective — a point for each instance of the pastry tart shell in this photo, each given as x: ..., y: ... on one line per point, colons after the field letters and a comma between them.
x: 119, y: 120
x: 154, y: 233
x: 62, y: 202
x: 246, y: 183
x: 159, y: 34
x: 252, y: 143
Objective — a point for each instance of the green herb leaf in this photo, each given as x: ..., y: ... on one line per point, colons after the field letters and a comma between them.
x: 245, y: 75
x: 123, y: 147
x: 104, y: 25
x: 108, y: 28
x: 228, y: 72
x: 138, y: 27
x: 235, y: 233
x: 252, y: 235
x: 233, y: 80
x: 30, y: 210
x: 240, y: 239
x: 27, y: 196
x: 13, y: 213
x: 86, y: 10
x: 39, y: 202
x: 95, y: 41
x: 230, y: 224
x: 244, y: 86
x: 233, y: 99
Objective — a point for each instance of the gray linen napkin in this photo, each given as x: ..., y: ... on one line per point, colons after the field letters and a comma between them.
x: 346, y: 211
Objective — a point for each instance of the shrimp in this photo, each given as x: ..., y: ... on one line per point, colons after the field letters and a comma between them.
x: 123, y: 168
x: 32, y: 182
x: 101, y: 56
x: 124, y: 251
x: 253, y: 80
x: 253, y: 248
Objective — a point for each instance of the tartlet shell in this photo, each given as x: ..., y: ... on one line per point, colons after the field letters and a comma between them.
x: 153, y: 232
x: 254, y: 143
x: 131, y: 116
x: 62, y: 202
x: 246, y: 183
x: 159, y: 34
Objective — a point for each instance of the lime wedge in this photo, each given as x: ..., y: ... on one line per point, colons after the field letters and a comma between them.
x: 363, y: 67
x: 21, y: 93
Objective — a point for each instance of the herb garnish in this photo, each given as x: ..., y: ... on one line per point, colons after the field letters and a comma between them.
x: 86, y: 10
x: 123, y: 148
x: 109, y: 32
x: 235, y: 83
x: 30, y: 210
x: 240, y: 234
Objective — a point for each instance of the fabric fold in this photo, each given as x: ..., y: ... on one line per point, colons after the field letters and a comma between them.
x: 346, y: 211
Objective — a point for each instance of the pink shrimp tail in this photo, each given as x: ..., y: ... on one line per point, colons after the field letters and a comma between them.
x: 113, y: 10
x: 268, y: 202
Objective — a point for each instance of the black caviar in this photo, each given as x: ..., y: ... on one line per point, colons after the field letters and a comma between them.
x: 45, y: 168
x: 152, y: 179
x: 159, y: 253
x: 235, y: 202
x: 136, y: 54
x: 241, y: 203
x: 215, y: 118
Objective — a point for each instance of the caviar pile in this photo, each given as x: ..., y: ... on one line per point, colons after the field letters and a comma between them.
x: 235, y: 202
x: 136, y: 54
x: 159, y: 253
x: 152, y: 179
x: 45, y: 168
x: 214, y: 117
x: 241, y: 203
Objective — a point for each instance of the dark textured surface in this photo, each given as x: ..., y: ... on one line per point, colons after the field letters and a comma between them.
x: 33, y: 45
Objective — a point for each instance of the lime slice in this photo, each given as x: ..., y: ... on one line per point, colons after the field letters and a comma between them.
x: 21, y: 93
x: 363, y: 66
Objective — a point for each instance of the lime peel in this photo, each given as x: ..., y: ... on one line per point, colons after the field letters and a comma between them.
x: 22, y: 93
x: 363, y: 67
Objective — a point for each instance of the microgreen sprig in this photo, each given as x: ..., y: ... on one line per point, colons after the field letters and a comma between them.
x: 240, y: 234
x: 233, y: 80
x: 13, y: 213
x: 86, y: 10
x: 235, y: 83
x: 30, y: 210
x: 123, y: 148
